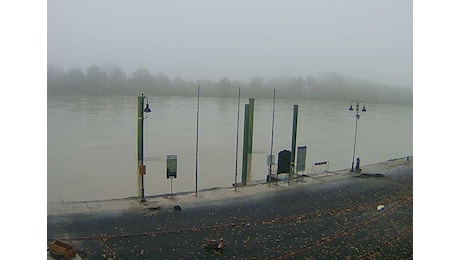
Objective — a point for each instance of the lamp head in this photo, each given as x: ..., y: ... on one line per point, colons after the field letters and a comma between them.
x: 364, y: 109
x: 350, y: 108
x: 147, y: 108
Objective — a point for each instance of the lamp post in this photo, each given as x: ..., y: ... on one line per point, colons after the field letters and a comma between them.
x: 357, y: 103
x: 140, y: 143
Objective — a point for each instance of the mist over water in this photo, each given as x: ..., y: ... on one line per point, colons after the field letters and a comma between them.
x: 102, y: 54
x: 237, y: 39
x: 92, y: 141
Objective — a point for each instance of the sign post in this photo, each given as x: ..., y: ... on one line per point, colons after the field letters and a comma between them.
x: 271, y: 159
x: 270, y: 162
x: 171, y: 168
x: 301, y: 158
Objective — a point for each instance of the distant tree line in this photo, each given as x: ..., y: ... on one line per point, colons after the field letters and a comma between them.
x: 112, y: 80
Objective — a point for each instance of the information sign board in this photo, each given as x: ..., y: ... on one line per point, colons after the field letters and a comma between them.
x: 301, y: 158
x: 171, y: 166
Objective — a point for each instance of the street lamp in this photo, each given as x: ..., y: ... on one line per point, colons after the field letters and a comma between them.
x: 140, y: 143
x: 356, y: 102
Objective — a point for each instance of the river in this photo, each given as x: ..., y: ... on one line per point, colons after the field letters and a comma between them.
x: 92, y: 141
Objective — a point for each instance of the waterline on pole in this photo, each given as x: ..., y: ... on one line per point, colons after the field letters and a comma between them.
x: 237, y: 136
x: 196, y: 145
x: 271, y: 142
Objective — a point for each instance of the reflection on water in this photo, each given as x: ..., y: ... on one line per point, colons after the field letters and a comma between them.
x: 92, y: 141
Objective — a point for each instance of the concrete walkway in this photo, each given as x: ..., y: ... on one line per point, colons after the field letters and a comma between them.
x: 213, y: 195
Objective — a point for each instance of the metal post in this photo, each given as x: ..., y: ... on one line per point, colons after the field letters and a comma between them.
x: 196, y: 145
x: 293, y: 141
x: 251, y: 124
x: 244, y: 170
x: 357, y: 102
x: 250, y: 138
x: 354, y: 142
x: 140, y: 146
x: 237, y: 135
x: 271, y: 142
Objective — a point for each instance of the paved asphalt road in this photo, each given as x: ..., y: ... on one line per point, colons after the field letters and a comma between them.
x: 333, y: 220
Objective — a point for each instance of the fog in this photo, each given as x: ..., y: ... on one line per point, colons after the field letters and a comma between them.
x: 370, y: 41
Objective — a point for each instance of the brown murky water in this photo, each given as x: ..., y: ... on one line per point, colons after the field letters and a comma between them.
x: 92, y: 141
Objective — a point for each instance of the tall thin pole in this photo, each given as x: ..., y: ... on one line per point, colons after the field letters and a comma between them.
x: 140, y: 146
x: 357, y: 102
x: 251, y: 127
x: 293, y: 141
x: 196, y: 145
x: 250, y: 139
x: 354, y: 142
x: 244, y: 170
x: 271, y: 142
x: 237, y: 135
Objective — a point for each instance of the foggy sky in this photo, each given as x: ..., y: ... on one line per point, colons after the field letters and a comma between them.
x: 236, y: 39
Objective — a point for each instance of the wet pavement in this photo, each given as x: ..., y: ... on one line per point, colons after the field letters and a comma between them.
x: 327, y: 216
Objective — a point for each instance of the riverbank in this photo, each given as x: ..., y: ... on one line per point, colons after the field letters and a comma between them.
x: 331, y: 215
x: 214, y: 194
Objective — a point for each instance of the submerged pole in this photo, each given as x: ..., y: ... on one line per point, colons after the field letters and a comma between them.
x: 196, y: 144
x: 140, y: 146
x: 244, y: 170
x: 247, y: 144
x: 250, y: 138
x: 251, y: 125
x: 271, y: 142
x: 293, y: 141
x: 237, y: 135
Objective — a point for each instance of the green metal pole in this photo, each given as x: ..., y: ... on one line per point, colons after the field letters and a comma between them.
x: 293, y: 141
x: 140, y: 146
x: 250, y: 138
x: 244, y: 171
x: 251, y: 124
